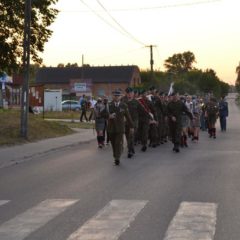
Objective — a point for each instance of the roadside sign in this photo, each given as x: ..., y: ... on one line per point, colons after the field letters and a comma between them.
x: 80, y: 86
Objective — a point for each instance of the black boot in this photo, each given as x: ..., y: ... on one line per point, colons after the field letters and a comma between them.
x: 116, y: 162
x: 210, y: 132
x: 176, y: 148
x: 144, y: 148
x: 185, y: 141
x: 214, y: 132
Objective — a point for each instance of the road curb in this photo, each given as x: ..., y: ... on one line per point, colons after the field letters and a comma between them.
x: 15, y: 161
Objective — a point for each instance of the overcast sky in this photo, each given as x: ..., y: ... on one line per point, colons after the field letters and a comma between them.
x: 113, y: 32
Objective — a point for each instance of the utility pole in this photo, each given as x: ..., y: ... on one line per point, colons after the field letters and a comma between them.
x: 151, y: 60
x: 26, y: 63
x: 82, y: 74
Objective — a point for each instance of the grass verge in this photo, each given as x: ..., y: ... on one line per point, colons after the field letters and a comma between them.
x: 37, y: 128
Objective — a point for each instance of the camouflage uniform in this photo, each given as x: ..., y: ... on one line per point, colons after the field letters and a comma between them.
x: 175, y: 109
x: 212, y: 110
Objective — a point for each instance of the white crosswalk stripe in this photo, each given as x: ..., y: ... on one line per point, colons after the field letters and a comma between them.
x: 193, y: 221
x: 2, y: 202
x: 110, y: 222
x: 24, y: 224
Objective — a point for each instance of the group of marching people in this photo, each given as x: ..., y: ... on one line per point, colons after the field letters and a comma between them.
x: 151, y: 118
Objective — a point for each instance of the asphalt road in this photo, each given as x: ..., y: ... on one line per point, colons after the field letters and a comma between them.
x: 78, y: 194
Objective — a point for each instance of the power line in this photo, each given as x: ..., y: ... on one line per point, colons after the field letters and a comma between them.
x: 123, y: 29
x: 103, y: 19
x: 176, y: 5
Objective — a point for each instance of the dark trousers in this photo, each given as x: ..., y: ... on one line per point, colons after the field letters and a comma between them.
x: 153, y: 134
x: 130, y: 138
x: 143, y: 132
x: 223, y: 123
x: 175, y: 132
x: 83, y: 114
x: 116, y: 140
x: 105, y: 133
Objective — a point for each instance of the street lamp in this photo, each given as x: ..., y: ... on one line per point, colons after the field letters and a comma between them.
x: 26, y: 64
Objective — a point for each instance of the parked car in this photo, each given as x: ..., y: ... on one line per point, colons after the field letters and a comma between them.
x: 71, y: 105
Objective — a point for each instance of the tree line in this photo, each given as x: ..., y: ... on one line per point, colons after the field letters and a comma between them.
x: 187, y: 79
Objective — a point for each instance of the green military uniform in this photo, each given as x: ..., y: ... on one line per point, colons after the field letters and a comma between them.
x: 118, y: 112
x: 145, y: 116
x: 165, y: 128
x: 153, y: 128
x: 175, y: 109
x: 134, y: 108
x: 160, y: 117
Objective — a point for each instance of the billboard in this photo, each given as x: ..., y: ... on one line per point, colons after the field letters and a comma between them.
x: 81, y: 86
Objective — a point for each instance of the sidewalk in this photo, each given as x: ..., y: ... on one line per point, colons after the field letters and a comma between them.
x: 19, y: 153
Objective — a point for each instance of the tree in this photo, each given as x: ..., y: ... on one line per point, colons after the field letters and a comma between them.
x: 237, y: 83
x: 71, y: 65
x: 180, y: 63
x: 60, y: 65
x: 12, y: 29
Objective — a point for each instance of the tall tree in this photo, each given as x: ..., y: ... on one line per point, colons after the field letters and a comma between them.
x: 237, y: 83
x: 180, y: 63
x: 12, y: 28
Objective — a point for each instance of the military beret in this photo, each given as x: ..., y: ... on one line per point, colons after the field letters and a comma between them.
x: 128, y: 90
x: 142, y: 91
x: 152, y: 88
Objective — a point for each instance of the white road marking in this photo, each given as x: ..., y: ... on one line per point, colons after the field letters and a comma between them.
x: 193, y: 221
x: 2, y: 202
x: 24, y: 224
x: 110, y: 222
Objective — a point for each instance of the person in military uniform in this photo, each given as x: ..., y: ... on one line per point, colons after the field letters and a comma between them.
x: 165, y: 127
x: 175, y: 109
x: 212, y: 115
x: 145, y: 117
x: 154, y: 107
x: 134, y: 108
x: 118, y: 111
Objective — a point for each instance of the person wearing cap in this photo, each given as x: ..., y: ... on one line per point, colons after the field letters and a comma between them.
x: 175, y: 109
x: 134, y: 108
x: 118, y: 112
